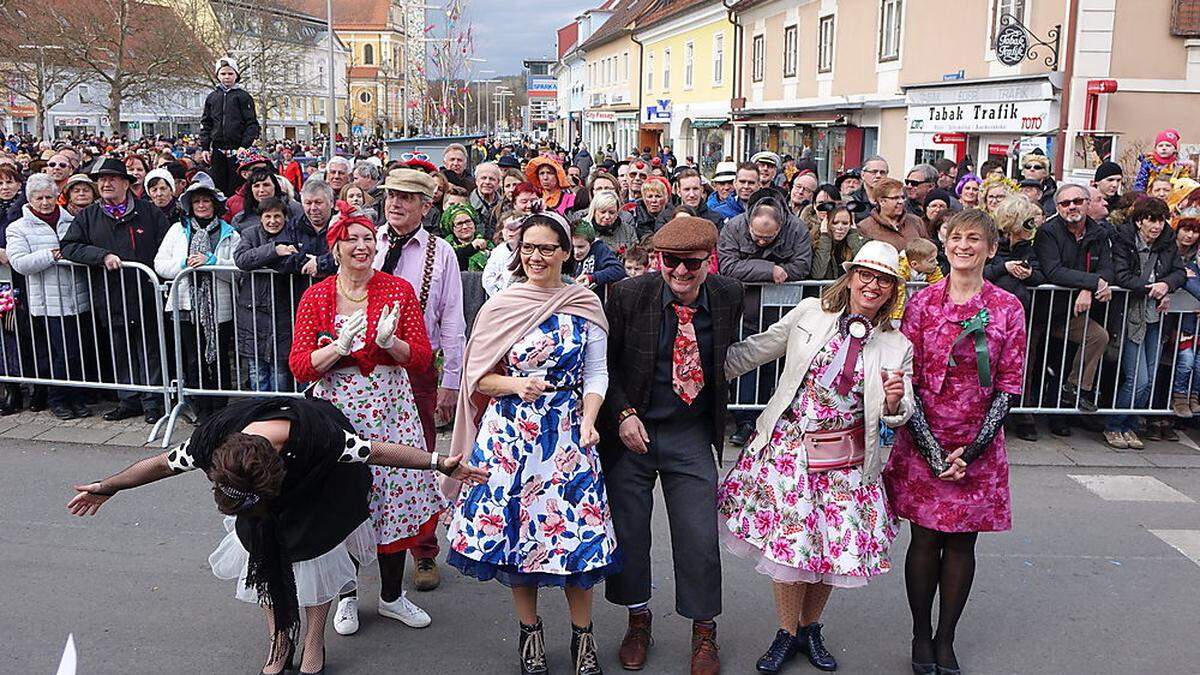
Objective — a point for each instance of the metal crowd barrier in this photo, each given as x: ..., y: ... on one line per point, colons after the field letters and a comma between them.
x: 159, y: 343
x: 74, y: 326
x: 1051, y: 357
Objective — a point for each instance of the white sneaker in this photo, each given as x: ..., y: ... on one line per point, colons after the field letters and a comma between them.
x: 345, y: 621
x: 404, y: 611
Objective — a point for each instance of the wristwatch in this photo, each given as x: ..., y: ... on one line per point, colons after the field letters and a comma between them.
x: 433, y: 461
x: 626, y: 414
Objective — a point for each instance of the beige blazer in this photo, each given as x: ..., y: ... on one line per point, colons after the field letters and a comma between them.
x: 799, y: 336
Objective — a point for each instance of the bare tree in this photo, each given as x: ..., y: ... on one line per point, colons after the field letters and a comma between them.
x: 135, y: 48
x: 33, y: 63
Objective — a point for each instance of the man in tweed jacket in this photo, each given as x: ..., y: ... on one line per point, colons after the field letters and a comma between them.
x: 654, y: 425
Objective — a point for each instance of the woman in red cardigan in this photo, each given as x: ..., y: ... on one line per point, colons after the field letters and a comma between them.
x: 356, y: 335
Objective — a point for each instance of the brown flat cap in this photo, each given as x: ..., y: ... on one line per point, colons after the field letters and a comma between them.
x: 410, y: 180
x: 686, y: 234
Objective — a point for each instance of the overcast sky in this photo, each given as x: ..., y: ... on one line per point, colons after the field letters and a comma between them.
x: 507, y: 31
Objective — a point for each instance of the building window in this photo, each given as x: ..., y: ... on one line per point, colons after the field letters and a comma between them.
x: 364, y: 97
x: 650, y: 71
x: 625, y: 67
x: 756, y: 58
x: 689, y: 65
x: 1014, y: 8
x: 666, y: 69
x: 889, y: 29
x: 790, y: 51
x: 718, y: 64
x: 85, y: 93
x: 368, y: 54
x: 825, y: 45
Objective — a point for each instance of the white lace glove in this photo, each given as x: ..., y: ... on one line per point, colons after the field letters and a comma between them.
x: 385, y: 330
x: 354, y: 327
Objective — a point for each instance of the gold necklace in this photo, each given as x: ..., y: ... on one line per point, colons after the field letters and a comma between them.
x: 346, y: 294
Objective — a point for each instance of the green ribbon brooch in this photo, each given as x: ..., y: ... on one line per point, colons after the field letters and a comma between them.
x: 976, y: 326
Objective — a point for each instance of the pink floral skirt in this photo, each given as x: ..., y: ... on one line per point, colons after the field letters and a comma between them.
x: 830, y: 527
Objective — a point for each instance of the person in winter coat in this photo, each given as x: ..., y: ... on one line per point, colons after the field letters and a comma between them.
x: 290, y: 169
x: 1147, y: 265
x: 248, y: 162
x: 203, y: 298
x: 273, y: 255
x: 613, y: 226
x: 56, y: 295
x: 460, y: 227
x: 1015, y: 268
x: 834, y: 242
x: 1035, y: 165
x: 260, y: 185
x: 1164, y: 161
x: 106, y: 236
x: 653, y: 209
x: 690, y: 190
x: 228, y: 122
x: 583, y: 160
x: 554, y: 186
x: 160, y: 191
x: 595, y: 263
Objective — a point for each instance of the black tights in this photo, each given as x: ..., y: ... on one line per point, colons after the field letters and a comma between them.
x: 391, y: 576
x: 936, y: 561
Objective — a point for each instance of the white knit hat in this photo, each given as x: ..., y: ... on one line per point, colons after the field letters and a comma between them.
x: 227, y: 61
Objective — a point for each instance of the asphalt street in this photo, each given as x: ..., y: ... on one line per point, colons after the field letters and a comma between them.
x: 1095, y: 578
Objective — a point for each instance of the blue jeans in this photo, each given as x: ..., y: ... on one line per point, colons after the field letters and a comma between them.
x: 1186, y: 379
x: 1139, y: 362
x: 265, y: 376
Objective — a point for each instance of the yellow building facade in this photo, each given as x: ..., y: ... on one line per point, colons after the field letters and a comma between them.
x: 687, y: 81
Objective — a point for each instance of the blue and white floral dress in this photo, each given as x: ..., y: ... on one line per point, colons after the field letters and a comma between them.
x: 542, y: 519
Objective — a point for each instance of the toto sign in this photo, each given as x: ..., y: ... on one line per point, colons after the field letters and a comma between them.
x: 1011, y: 45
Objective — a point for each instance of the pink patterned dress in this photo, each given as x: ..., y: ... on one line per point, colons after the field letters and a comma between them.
x: 955, y: 404
x: 830, y: 527
x: 380, y: 405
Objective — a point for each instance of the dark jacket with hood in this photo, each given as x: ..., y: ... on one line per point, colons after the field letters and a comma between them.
x: 229, y: 120
x: 266, y: 303
x: 996, y: 272
x: 1163, y: 264
x: 134, y: 237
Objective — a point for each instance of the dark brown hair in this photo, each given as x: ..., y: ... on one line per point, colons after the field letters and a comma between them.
x: 564, y: 242
x: 245, y: 464
x: 836, y: 299
x: 1149, y: 209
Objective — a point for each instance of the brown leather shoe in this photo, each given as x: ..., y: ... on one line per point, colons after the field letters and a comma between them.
x: 705, y: 659
x: 637, y: 641
x: 426, y: 577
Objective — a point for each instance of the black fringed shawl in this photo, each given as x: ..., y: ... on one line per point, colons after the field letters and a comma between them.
x: 322, y: 500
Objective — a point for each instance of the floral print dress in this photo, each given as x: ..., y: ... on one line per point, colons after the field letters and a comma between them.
x: 830, y: 527
x: 381, y: 407
x: 955, y: 404
x: 542, y: 519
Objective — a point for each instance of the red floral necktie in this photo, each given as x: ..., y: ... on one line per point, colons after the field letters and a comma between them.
x: 687, y: 374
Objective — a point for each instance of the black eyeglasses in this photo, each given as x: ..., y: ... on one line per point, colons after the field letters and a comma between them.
x: 546, y: 250
x: 692, y: 264
x: 868, y: 277
x: 1078, y: 201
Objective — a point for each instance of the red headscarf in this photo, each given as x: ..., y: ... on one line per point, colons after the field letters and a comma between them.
x: 339, y: 229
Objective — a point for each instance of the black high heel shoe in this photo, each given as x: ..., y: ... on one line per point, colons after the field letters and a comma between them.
x: 920, y: 668
x: 288, y: 663
x: 316, y: 672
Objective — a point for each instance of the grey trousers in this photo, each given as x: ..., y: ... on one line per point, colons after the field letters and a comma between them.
x: 681, y: 454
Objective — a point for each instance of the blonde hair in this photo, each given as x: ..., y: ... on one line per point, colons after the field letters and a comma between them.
x: 602, y: 200
x: 920, y: 249
x: 836, y: 300
x: 654, y: 186
x: 1012, y: 213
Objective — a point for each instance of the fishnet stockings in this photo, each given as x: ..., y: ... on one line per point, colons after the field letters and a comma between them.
x: 800, y: 604
x: 314, y: 638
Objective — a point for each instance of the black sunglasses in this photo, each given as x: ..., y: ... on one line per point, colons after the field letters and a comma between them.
x: 692, y: 264
x: 1078, y: 201
x: 914, y: 183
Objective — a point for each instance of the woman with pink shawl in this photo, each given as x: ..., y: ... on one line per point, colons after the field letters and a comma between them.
x: 534, y: 378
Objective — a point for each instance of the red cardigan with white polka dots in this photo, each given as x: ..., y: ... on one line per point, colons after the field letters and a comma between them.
x: 315, y: 327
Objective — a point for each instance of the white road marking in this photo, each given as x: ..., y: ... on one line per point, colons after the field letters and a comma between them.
x: 1117, y: 488
x: 1186, y: 542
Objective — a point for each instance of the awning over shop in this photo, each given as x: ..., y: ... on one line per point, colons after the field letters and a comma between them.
x: 709, y: 123
x: 814, y: 118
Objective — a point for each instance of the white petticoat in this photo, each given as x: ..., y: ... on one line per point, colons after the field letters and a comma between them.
x: 318, y: 580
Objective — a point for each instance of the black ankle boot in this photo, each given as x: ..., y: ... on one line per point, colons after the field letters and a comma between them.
x: 533, y: 650
x: 813, y: 644
x: 583, y: 651
x: 13, y: 400
x: 782, y: 649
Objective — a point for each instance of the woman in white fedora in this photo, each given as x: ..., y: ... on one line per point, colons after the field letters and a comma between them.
x: 805, y: 500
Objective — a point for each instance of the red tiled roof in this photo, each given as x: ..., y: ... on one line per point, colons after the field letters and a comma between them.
x: 670, y: 9
x: 369, y: 14
x: 568, y: 35
x: 625, y: 12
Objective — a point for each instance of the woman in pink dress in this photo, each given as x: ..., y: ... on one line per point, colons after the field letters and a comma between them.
x: 805, y: 500
x: 948, y: 474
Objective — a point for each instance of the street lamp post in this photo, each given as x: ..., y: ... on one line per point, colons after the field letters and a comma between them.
x: 332, y: 116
